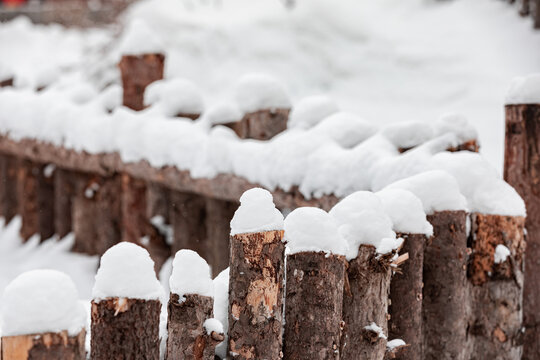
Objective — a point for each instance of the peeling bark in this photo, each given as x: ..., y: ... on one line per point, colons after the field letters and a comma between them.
x: 137, y: 73
x: 256, y: 295
x: 125, y: 329
x: 313, y: 306
x: 218, y: 218
x: 48, y: 346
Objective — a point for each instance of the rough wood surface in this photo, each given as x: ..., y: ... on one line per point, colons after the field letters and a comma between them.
x: 158, y: 202
x: 313, y: 306
x: 138, y: 71
x: 125, y: 329
x: 445, y: 300
x: 27, y: 192
x: 365, y: 301
x: 495, y: 325
x: 46, y: 201
x: 406, y: 296
x: 65, y: 188
x: 188, y: 216
x: 134, y: 219
x: 218, y: 218
x: 256, y: 295
x: 8, y: 186
x: 186, y: 338
x: 262, y: 124
x: 48, y: 346
x: 522, y: 171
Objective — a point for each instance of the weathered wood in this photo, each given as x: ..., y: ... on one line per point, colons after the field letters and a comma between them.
x: 399, y: 352
x: 445, y: 301
x: 256, y: 295
x: 496, y: 293
x: 137, y: 73
x: 536, y: 14
x: 27, y: 193
x: 65, y: 188
x: 313, y: 306
x: 125, y: 329
x: 97, y: 215
x: 8, y: 187
x: 6, y: 82
x: 522, y: 171
x: 158, y: 202
x: 186, y: 317
x: 48, y: 346
x: 262, y: 124
x: 46, y: 200
x: 365, y: 301
x: 524, y: 9
x: 218, y: 218
x: 188, y: 220
x: 406, y: 296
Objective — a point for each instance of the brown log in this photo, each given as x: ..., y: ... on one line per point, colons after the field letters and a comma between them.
x: 48, y: 346
x: 522, y: 171
x: 137, y: 73
x: 445, y: 301
x: 65, y: 188
x: 524, y: 8
x: 188, y: 216
x: 399, y: 352
x: 6, y: 82
x: 313, y: 306
x: 27, y: 193
x: 125, y: 329
x: 97, y: 215
x: 158, y: 202
x: 406, y: 296
x: 256, y: 295
x: 218, y: 218
x: 187, y: 336
x: 262, y: 124
x: 536, y: 14
x: 8, y: 187
x: 46, y: 200
x: 365, y: 301
x: 495, y: 325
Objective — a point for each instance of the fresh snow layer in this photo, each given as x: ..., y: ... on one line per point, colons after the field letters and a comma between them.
x: 139, y: 38
x: 174, y: 96
x: 392, y: 344
x: 406, y: 211
x: 345, y: 129
x: 310, y: 229
x: 221, y: 307
x: 310, y: 111
x: 126, y: 270
x: 256, y: 213
x: 456, y: 124
x: 223, y: 113
x: 501, y: 254
x: 190, y: 275
x: 524, y: 90
x: 255, y: 92
x: 41, y: 301
x: 362, y: 220
x: 213, y: 325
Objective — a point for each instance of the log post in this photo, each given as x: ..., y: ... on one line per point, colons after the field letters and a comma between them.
x: 536, y: 14
x: 137, y: 73
x: 27, y: 192
x: 262, y: 124
x: 218, y: 217
x: 445, y: 301
x: 48, y: 346
x: 8, y: 187
x: 46, y: 200
x: 65, y: 189
x: 495, y: 326
x: 522, y: 171
x: 188, y: 216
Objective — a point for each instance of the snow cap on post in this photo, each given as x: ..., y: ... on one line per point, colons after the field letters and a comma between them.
x: 408, y: 134
x: 174, y: 97
x: 190, y: 275
x: 127, y: 271
x: 406, y: 211
x: 223, y: 113
x: 314, y: 230
x: 255, y: 92
x: 524, y: 90
x: 311, y: 110
x: 139, y: 38
x: 457, y: 124
x: 362, y: 220
x: 256, y: 213
x: 41, y: 301
x: 345, y: 129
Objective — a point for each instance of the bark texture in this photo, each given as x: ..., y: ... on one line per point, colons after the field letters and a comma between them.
x: 188, y: 218
x: 445, y: 301
x: 313, y: 306
x: 256, y: 295
x: 365, y: 301
x: 187, y: 337
x: 218, y: 218
x: 406, y: 296
x: 65, y: 188
x: 522, y: 171
x: 46, y: 200
x: 125, y: 329
x: 48, y: 346
x: 97, y: 215
x: 8, y: 187
x: 262, y: 124
x: 495, y: 326
x: 27, y: 193
x: 137, y: 73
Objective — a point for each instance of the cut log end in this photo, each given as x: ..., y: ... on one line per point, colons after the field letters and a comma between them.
x: 48, y: 346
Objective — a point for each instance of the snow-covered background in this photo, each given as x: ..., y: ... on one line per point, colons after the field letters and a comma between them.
x: 385, y: 60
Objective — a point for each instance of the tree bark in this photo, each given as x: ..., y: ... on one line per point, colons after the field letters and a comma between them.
x: 218, y: 218
x: 97, y: 215
x: 188, y: 218
x: 262, y: 124
x: 445, y: 300
x: 365, y: 301
x: 125, y: 329
x: 48, y: 346
x: 313, y: 306
x: 406, y: 297
x: 522, y: 171
x: 27, y: 193
x: 495, y: 326
x: 137, y: 73
x: 65, y: 189
x: 536, y: 14
x: 46, y: 201
x: 8, y: 188
x: 256, y: 295
x: 187, y: 337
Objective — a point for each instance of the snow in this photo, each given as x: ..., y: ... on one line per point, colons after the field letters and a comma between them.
x: 362, y: 220
x: 256, y: 213
x: 223, y: 113
x: 392, y: 344
x: 171, y: 97
x: 406, y: 211
x: 139, y: 38
x: 524, y: 90
x: 311, y: 110
x: 41, y: 301
x: 346, y: 129
x: 501, y: 254
x: 437, y: 190
x: 127, y: 271
x: 256, y: 91
x: 310, y: 229
x: 408, y: 134
x: 376, y: 329
x: 213, y: 325
x: 190, y: 275
x: 457, y: 124
x: 221, y: 307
